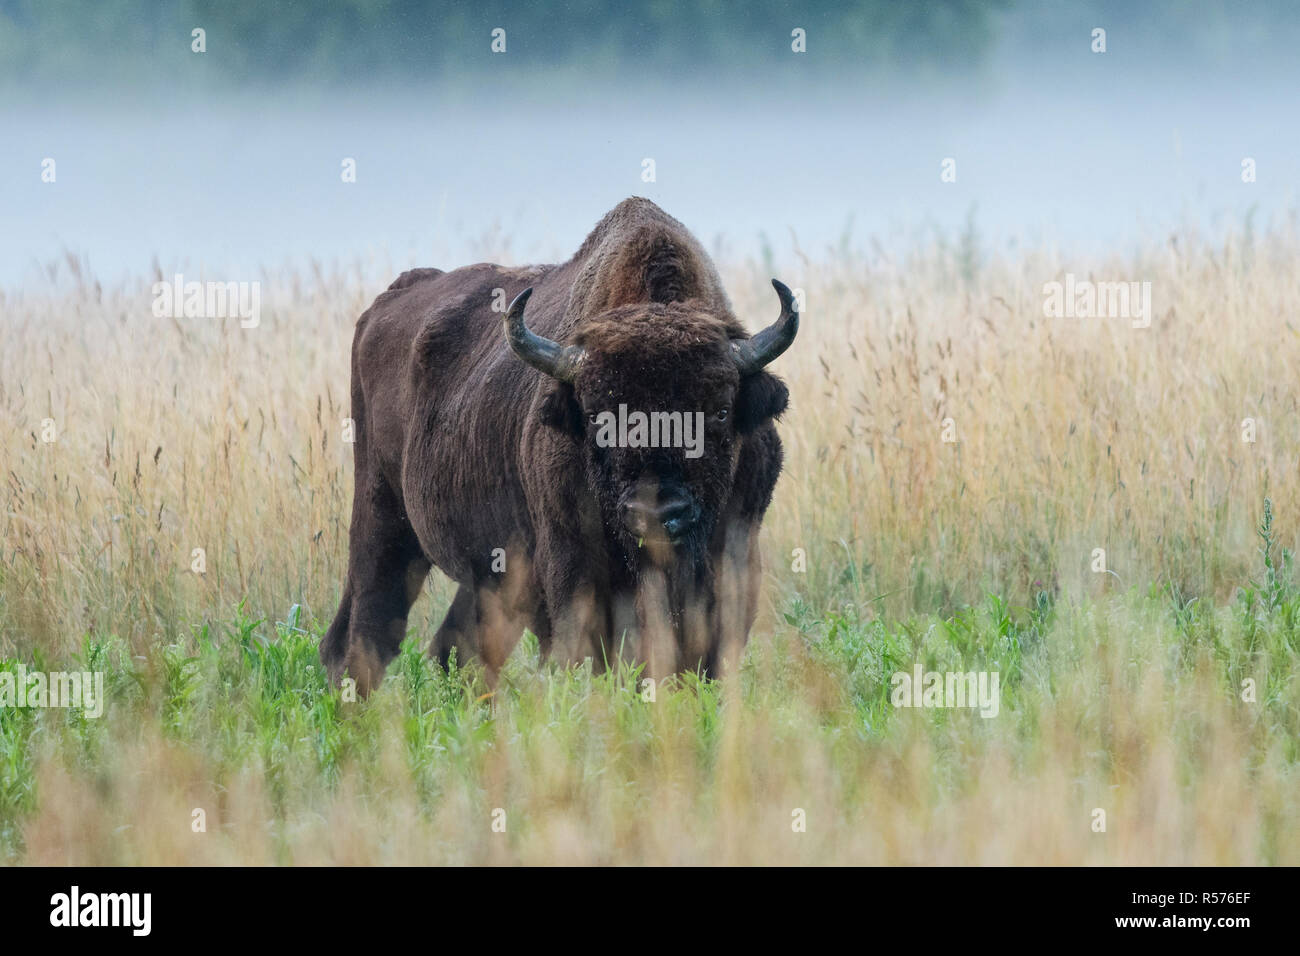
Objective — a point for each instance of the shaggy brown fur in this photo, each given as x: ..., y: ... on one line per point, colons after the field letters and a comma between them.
x: 471, y: 461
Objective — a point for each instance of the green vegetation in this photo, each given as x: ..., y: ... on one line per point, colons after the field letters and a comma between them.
x: 1093, y: 699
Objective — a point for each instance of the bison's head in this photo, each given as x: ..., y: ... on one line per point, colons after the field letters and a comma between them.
x: 658, y: 397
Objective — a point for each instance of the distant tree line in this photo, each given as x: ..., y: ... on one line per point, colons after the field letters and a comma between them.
x: 107, y: 43
x: 114, y: 41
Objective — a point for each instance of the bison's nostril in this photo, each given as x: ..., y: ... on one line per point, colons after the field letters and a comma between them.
x: 675, y: 516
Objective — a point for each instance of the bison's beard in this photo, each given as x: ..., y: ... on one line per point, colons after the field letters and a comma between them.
x: 670, y: 588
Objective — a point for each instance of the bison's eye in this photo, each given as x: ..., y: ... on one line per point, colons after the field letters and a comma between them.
x: 592, y: 419
x: 721, y: 414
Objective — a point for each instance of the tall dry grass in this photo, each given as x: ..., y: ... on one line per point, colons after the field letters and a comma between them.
x: 1072, y: 435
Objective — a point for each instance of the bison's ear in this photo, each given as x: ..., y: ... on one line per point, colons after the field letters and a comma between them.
x: 560, y: 409
x: 762, y: 396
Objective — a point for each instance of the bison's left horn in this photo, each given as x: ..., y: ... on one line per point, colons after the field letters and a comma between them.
x: 556, y: 360
x: 752, y: 354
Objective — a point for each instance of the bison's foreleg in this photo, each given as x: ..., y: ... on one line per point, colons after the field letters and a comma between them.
x: 579, y: 626
x: 739, y: 574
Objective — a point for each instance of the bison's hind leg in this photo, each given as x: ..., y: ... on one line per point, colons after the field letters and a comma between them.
x: 458, y: 631
x: 334, y: 645
x: 484, y: 624
x: 386, y: 570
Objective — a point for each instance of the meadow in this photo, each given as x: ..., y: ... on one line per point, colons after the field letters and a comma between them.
x: 955, y: 461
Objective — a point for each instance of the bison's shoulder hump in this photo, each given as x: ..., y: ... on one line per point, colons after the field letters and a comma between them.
x: 407, y: 280
x: 412, y: 276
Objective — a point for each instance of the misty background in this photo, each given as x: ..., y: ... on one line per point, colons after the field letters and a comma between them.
x: 228, y: 162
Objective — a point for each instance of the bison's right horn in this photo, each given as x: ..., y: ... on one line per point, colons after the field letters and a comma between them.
x: 752, y: 354
x: 556, y: 360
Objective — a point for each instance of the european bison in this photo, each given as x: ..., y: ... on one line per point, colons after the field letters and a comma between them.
x: 597, y: 474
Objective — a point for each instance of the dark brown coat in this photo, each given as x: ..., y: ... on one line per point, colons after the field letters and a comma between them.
x: 468, y: 459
